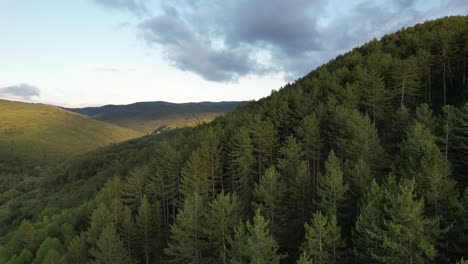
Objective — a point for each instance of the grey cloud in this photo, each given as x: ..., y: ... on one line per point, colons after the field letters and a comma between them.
x: 20, y: 91
x: 137, y: 7
x: 224, y: 40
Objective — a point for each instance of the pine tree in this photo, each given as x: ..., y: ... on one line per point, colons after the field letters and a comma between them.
x: 373, y: 94
x: 332, y: 193
x: 127, y: 230
x: 291, y: 154
x: 241, y: 168
x: 359, y: 178
x: 77, y: 251
x: 109, y: 248
x: 406, y: 80
x: 135, y: 187
x: 408, y: 232
x: 323, y: 239
x: 47, y: 245
x: 309, y: 133
x: 100, y: 218
x: 270, y: 198
x: 222, y: 216
x: 300, y: 207
x: 186, y: 242
x: 369, y: 225
x: 421, y: 158
x: 264, y: 138
x: 52, y: 257
x: 195, y: 176
x: 253, y: 243
x: 304, y: 259
x: 164, y: 183
x: 148, y: 230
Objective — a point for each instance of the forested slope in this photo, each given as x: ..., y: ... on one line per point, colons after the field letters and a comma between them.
x: 363, y: 160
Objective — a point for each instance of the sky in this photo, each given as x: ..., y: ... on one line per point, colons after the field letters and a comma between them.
x: 97, y: 52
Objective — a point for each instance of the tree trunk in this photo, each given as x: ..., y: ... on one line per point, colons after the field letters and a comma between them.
x: 402, y: 94
x: 445, y: 86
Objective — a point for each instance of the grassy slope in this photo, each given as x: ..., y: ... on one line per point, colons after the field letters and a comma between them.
x: 148, y: 117
x: 41, y: 133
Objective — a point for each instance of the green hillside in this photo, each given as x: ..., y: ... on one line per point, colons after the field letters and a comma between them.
x: 363, y: 160
x: 40, y: 133
x: 148, y: 117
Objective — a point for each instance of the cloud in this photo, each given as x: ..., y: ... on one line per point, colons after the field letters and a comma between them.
x: 137, y: 7
x: 113, y: 69
x: 225, y: 40
x: 21, y: 92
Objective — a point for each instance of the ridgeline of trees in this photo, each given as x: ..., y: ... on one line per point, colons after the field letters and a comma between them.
x: 364, y: 160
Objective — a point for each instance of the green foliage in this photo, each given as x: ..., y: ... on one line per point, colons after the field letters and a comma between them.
x: 186, y: 245
x: 270, y: 195
x: 223, y: 215
x: 332, y: 193
x: 253, y: 243
x: 109, y: 248
x: 323, y: 242
x: 62, y: 134
x: 393, y: 105
x: 408, y: 236
x: 241, y: 169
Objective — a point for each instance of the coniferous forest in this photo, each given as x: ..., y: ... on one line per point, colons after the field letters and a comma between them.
x: 363, y: 160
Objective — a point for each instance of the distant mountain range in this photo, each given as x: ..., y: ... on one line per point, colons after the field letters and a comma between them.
x: 148, y: 117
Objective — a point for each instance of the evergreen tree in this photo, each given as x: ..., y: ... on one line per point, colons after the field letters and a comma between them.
x: 299, y: 208
x: 52, y: 257
x: 222, y: 216
x: 407, y: 238
x: 264, y: 138
x: 148, y: 230
x: 369, y: 225
x: 135, y: 187
x: 270, y: 199
x: 127, y: 230
x: 109, y: 248
x: 253, y: 243
x: 323, y: 239
x: 186, y: 244
x: 406, y: 80
x: 100, y: 218
x: 47, y: 245
x: 421, y: 158
x: 195, y: 175
x: 290, y: 158
x: 77, y: 251
x: 309, y: 132
x: 373, y: 94
x: 332, y: 193
x: 241, y: 168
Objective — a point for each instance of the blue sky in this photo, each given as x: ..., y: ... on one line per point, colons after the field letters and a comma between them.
x: 95, y: 52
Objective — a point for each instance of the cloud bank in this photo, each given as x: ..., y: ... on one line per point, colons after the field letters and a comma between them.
x: 23, y: 92
x: 225, y: 40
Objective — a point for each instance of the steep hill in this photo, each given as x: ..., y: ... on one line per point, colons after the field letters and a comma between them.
x: 363, y: 160
x: 148, y: 117
x: 41, y: 133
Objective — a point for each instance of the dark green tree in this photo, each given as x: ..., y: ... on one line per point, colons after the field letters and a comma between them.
x: 187, y: 243
x: 223, y: 215
x: 253, y: 243
x: 323, y: 241
x: 109, y: 249
x: 270, y: 199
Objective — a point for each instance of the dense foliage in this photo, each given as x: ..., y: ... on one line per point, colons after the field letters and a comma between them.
x: 363, y: 160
